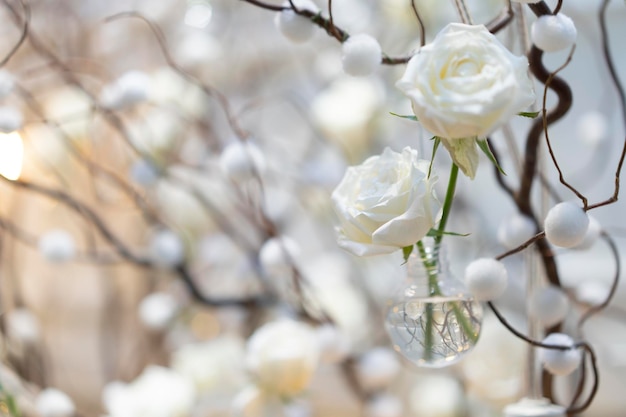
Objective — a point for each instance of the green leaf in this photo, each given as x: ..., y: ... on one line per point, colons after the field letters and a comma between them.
x: 437, y: 233
x: 406, y: 252
x: 409, y: 117
x: 529, y: 114
x: 484, y: 146
x: 437, y: 142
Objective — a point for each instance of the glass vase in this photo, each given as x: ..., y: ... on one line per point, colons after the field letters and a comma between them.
x: 432, y: 320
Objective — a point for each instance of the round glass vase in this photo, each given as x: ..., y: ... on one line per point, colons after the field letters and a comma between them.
x: 432, y: 320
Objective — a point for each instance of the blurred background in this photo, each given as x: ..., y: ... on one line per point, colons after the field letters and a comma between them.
x: 121, y: 161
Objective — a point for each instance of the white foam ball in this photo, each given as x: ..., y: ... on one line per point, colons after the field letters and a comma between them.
x: 361, y: 55
x: 278, y: 255
x: 515, y: 230
x: 549, y: 305
x: 7, y: 82
x: 592, y: 292
x: 157, y: 310
x: 144, y: 173
x: 167, y: 248
x: 296, y: 28
x: 52, y: 402
x: 486, y: 278
x: 11, y: 119
x: 22, y: 325
x: 591, y: 236
x: 566, y: 225
x: 552, y: 33
x: 241, y: 161
x: 384, y: 405
x: 377, y: 368
x: 592, y: 127
x: 57, y: 246
x: 560, y: 362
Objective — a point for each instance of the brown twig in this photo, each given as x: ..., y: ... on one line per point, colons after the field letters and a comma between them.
x: 24, y: 34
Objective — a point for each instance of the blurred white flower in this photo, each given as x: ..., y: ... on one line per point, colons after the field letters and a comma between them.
x: 386, y: 203
x: 57, y: 246
x: 216, y: 366
x: 52, y: 402
x: 283, y: 356
x: 22, y: 325
x: 157, y: 310
x: 157, y: 392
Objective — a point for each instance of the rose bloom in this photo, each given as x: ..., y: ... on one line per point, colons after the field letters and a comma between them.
x: 466, y: 83
x: 386, y: 203
x: 283, y: 356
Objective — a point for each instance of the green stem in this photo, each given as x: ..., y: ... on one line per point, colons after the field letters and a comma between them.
x: 447, y: 203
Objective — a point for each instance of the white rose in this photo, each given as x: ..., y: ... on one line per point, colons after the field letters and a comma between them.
x: 466, y: 83
x: 386, y: 203
x: 283, y: 355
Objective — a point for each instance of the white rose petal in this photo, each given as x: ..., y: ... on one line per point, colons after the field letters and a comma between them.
x: 486, y: 278
x: 552, y: 33
x: 361, y: 55
x: 11, y: 119
x: 386, y: 203
x: 57, y: 246
x: 157, y: 310
x: 566, y: 225
x: 465, y: 83
x: 548, y: 305
x: 283, y: 355
x: 52, y: 402
x: 560, y: 362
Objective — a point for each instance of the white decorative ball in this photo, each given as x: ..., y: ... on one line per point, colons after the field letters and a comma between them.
x: 157, y: 310
x: 52, y: 402
x: 167, y: 248
x: 549, y: 305
x: 560, y: 362
x: 7, y: 82
x: 486, y: 278
x: 377, y: 368
x: 552, y: 33
x: 57, y: 246
x: 566, y: 225
x: 516, y: 230
x: 592, y: 127
x: 296, y: 28
x: 144, y: 173
x: 241, y: 161
x: 592, y: 235
x: 131, y: 88
x: 334, y: 345
x: 361, y: 55
x: 278, y: 255
x: 384, y: 405
x: 11, y: 119
x: 22, y: 325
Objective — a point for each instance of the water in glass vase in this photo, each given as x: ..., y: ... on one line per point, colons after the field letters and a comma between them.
x: 434, y: 331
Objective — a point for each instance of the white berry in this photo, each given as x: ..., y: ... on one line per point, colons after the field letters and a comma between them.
x: 548, y: 305
x: 361, y: 55
x: 10, y: 119
x: 591, y: 236
x: 57, y: 246
x: 552, y: 33
x: 157, y: 310
x: 242, y: 161
x: 566, y: 225
x: 52, y: 402
x: 560, y: 362
x: 296, y: 28
x: 516, y: 230
x: 486, y: 278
